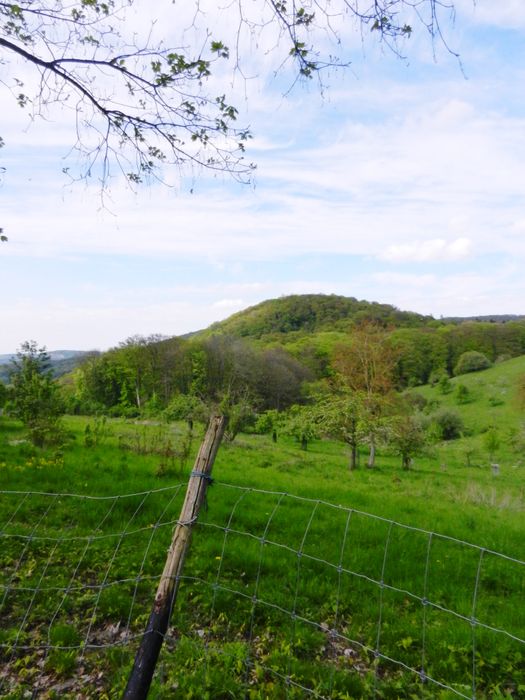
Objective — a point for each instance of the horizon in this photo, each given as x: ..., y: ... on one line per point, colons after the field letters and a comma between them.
x: 4, y: 356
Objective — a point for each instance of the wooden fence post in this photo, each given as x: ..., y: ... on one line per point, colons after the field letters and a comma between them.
x: 145, y: 661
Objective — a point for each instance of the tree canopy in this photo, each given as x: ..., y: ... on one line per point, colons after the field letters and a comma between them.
x: 142, y: 101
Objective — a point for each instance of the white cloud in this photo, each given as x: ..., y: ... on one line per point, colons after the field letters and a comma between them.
x: 405, y: 166
x: 508, y: 14
x: 433, y: 250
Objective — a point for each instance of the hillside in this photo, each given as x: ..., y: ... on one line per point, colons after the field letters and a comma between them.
x: 62, y: 362
x: 311, y: 313
x: 489, y: 401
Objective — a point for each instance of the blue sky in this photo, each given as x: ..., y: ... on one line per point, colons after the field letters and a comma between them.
x: 402, y: 182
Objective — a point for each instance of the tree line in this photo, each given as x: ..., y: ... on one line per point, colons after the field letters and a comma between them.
x: 359, y: 397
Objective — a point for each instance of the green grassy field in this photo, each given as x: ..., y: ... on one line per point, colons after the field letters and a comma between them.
x: 303, y: 578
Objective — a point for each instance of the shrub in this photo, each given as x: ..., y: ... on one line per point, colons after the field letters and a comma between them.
x: 444, y: 384
x: 415, y: 400
x: 34, y: 396
x: 449, y: 424
x: 471, y: 361
x: 462, y: 394
x: 436, y: 375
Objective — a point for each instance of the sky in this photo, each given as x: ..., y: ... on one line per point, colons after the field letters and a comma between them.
x: 398, y: 180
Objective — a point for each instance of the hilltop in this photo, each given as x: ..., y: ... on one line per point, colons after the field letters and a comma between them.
x: 313, y: 313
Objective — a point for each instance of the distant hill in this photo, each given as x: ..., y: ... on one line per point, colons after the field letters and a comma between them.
x: 312, y: 313
x: 491, y: 318
x: 62, y: 362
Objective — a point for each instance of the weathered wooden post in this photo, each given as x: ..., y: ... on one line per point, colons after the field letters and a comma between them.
x: 146, y: 659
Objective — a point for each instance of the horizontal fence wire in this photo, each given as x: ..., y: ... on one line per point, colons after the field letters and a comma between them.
x: 282, y: 595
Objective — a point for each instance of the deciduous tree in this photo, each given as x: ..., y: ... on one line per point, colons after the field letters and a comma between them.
x: 141, y: 102
x: 34, y: 395
x: 365, y: 367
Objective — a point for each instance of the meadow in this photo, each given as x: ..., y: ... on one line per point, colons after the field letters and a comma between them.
x: 303, y: 580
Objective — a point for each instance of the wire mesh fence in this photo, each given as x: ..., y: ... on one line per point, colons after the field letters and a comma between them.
x: 281, y: 596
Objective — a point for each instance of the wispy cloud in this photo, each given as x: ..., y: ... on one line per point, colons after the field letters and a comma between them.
x: 435, y: 249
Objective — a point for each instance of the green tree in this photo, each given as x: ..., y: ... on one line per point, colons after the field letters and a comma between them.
x: 462, y: 394
x: 302, y: 423
x: 407, y: 438
x: 34, y: 394
x: 491, y: 442
x: 449, y: 424
x: 268, y: 422
x: 471, y: 361
x: 444, y: 384
x: 340, y: 417
x: 365, y: 367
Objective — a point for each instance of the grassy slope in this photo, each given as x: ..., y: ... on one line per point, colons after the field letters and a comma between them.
x: 221, y: 628
x: 492, y: 403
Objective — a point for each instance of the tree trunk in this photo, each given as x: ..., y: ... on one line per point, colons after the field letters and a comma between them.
x: 353, y: 457
x: 372, y: 455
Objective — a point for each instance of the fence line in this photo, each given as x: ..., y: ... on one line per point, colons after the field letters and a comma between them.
x: 366, y: 599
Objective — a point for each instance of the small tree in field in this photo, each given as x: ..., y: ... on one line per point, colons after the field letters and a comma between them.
x: 365, y: 368
x: 301, y: 422
x: 34, y: 395
x: 491, y: 442
x: 340, y: 417
x: 407, y: 438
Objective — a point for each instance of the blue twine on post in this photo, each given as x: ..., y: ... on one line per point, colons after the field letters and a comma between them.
x: 203, y: 475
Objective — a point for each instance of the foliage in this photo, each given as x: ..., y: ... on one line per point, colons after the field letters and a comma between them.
x: 301, y: 422
x: 462, y: 394
x: 471, y: 361
x: 268, y: 422
x: 186, y: 407
x: 365, y: 367
x: 491, y: 442
x: 157, y: 111
x: 180, y: 376
x: 444, y: 384
x: 339, y: 416
x: 142, y: 103
x: 449, y: 424
x: 407, y: 438
x: 415, y: 400
x: 34, y: 395
x: 312, y: 313
x: 240, y: 414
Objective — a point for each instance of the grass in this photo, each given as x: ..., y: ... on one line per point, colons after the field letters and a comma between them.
x: 281, y: 593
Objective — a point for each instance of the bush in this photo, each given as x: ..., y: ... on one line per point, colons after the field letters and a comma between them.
x: 436, y: 375
x: 463, y: 394
x: 449, y: 424
x: 34, y: 396
x: 415, y: 400
x: 471, y: 361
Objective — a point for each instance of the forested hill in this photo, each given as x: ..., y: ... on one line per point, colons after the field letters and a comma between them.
x: 61, y: 362
x: 312, y: 313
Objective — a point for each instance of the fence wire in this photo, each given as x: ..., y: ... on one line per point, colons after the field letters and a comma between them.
x: 281, y: 595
